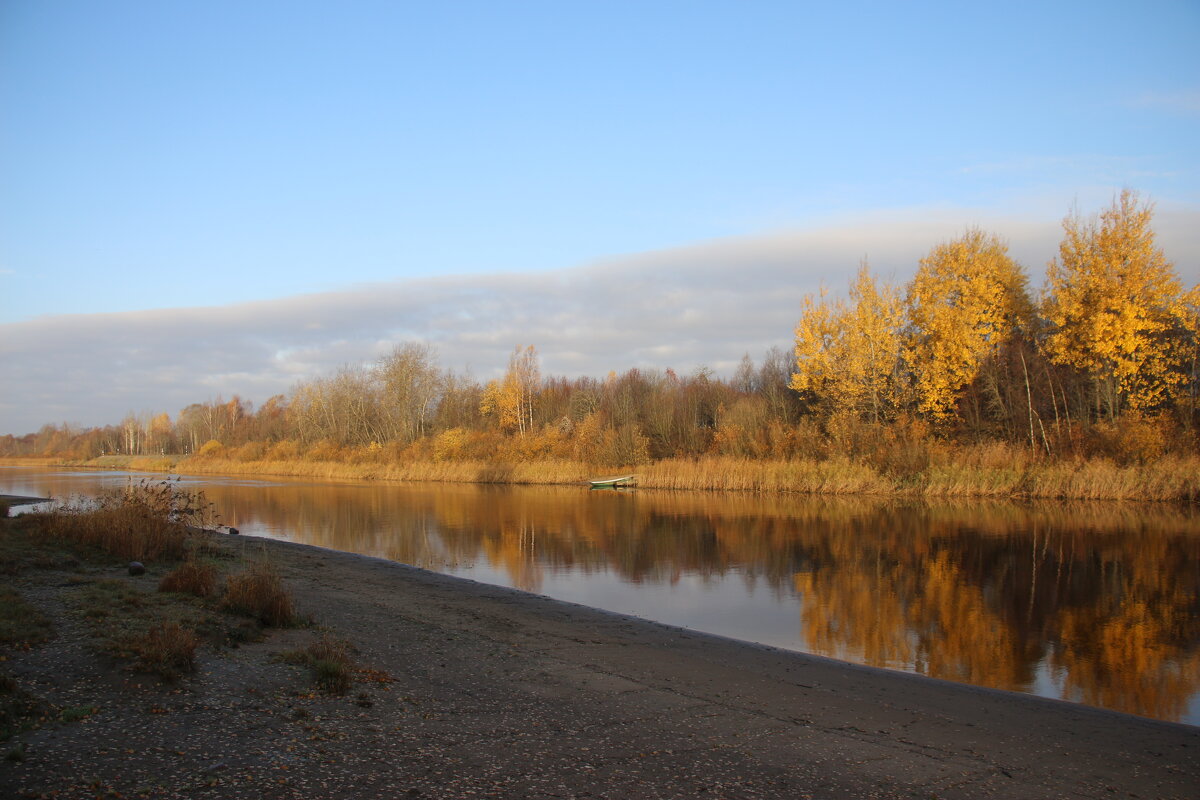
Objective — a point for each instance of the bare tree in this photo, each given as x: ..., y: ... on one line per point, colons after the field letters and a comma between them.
x: 410, y: 386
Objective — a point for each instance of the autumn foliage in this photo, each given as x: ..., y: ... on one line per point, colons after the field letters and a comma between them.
x: 909, y: 382
x: 1112, y: 341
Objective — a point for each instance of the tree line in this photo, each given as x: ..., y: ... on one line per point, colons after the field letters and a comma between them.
x: 967, y: 346
x: 1103, y: 361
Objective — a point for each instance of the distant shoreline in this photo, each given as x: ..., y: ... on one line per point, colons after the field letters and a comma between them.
x: 1170, y: 479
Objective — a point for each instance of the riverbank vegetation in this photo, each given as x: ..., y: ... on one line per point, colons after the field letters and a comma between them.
x: 69, y: 574
x: 198, y: 637
x: 963, y: 382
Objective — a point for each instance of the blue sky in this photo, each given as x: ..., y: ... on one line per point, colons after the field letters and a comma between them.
x: 159, y: 155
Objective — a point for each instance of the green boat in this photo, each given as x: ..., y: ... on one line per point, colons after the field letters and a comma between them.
x: 612, y: 483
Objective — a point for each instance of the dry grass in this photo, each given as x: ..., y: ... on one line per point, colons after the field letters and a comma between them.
x: 32, y: 461
x: 832, y: 476
x: 258, y: 593
x: 142, y: 522
x: 991, y: 469
x: 167, y: 649
x: 532, y: 472
x: 139, y: 463
x: 900, y: 461
x: 191, y: 577
x: 1171, y: 478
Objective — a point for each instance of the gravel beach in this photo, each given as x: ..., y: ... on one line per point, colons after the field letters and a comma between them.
x: 469, y: 690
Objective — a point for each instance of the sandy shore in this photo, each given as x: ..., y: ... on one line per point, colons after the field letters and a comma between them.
x: 485, y: 691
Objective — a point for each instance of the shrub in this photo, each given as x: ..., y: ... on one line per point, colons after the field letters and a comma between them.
x: 250, y: 451
x: 325, y: 450
x: 372, y: 453
x: 449, y: 444
x: 285, y: 450
x: 258, y: 592
x: 211, y: 449
x: 1135, y: 438
x: 625, y: 445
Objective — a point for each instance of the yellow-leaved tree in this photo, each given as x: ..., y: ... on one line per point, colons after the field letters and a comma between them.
x: 816, y: 338
x: 510, y: 400
x: 1117, y: 311
x: 966, y: 300
x: 846, y: 355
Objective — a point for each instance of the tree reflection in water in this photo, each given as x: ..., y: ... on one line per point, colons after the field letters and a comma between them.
x: 1102, y: 597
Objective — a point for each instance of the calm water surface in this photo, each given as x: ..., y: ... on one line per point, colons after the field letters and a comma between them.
x: 1095, y: 603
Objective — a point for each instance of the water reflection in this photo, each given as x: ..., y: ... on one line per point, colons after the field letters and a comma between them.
x: 1088, y: 602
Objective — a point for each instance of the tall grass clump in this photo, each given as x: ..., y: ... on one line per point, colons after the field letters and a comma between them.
x: 329, y: 661
x: 144, y: 521
x: 191, y: 577
x: 167, y: 649
x: 258, y: 593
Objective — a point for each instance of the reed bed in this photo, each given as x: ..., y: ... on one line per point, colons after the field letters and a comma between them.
x: 142, y: 522
x: 833, y: 476
x: 987, y: 470
x: 1171, y: 478
x: 959, y: 480
x: 994, y: 470
x: 526, y: 472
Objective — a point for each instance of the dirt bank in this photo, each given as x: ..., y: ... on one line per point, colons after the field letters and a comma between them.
x: 474, y: 690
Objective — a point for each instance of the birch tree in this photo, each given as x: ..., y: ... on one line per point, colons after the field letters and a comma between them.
x: 1116, y: 308
x: 846, y: 353
x: 511, y: 399
x: 966, y: 300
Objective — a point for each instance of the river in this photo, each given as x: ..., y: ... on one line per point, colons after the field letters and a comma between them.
x: 1087, y: 602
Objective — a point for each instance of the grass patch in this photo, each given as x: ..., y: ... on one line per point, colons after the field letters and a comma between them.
x: 328, y: 660
x: 258, y: 593
x: 76, y: 713
x: 19, y: 710
x: 157, y: 633
x: 21, y: 623
x: 23, y: 547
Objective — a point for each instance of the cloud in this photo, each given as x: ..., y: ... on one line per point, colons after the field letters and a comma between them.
x: 1023, y: 164
x: 705, y: 304
x: 1184, y: 103
x: 1094, y: 173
